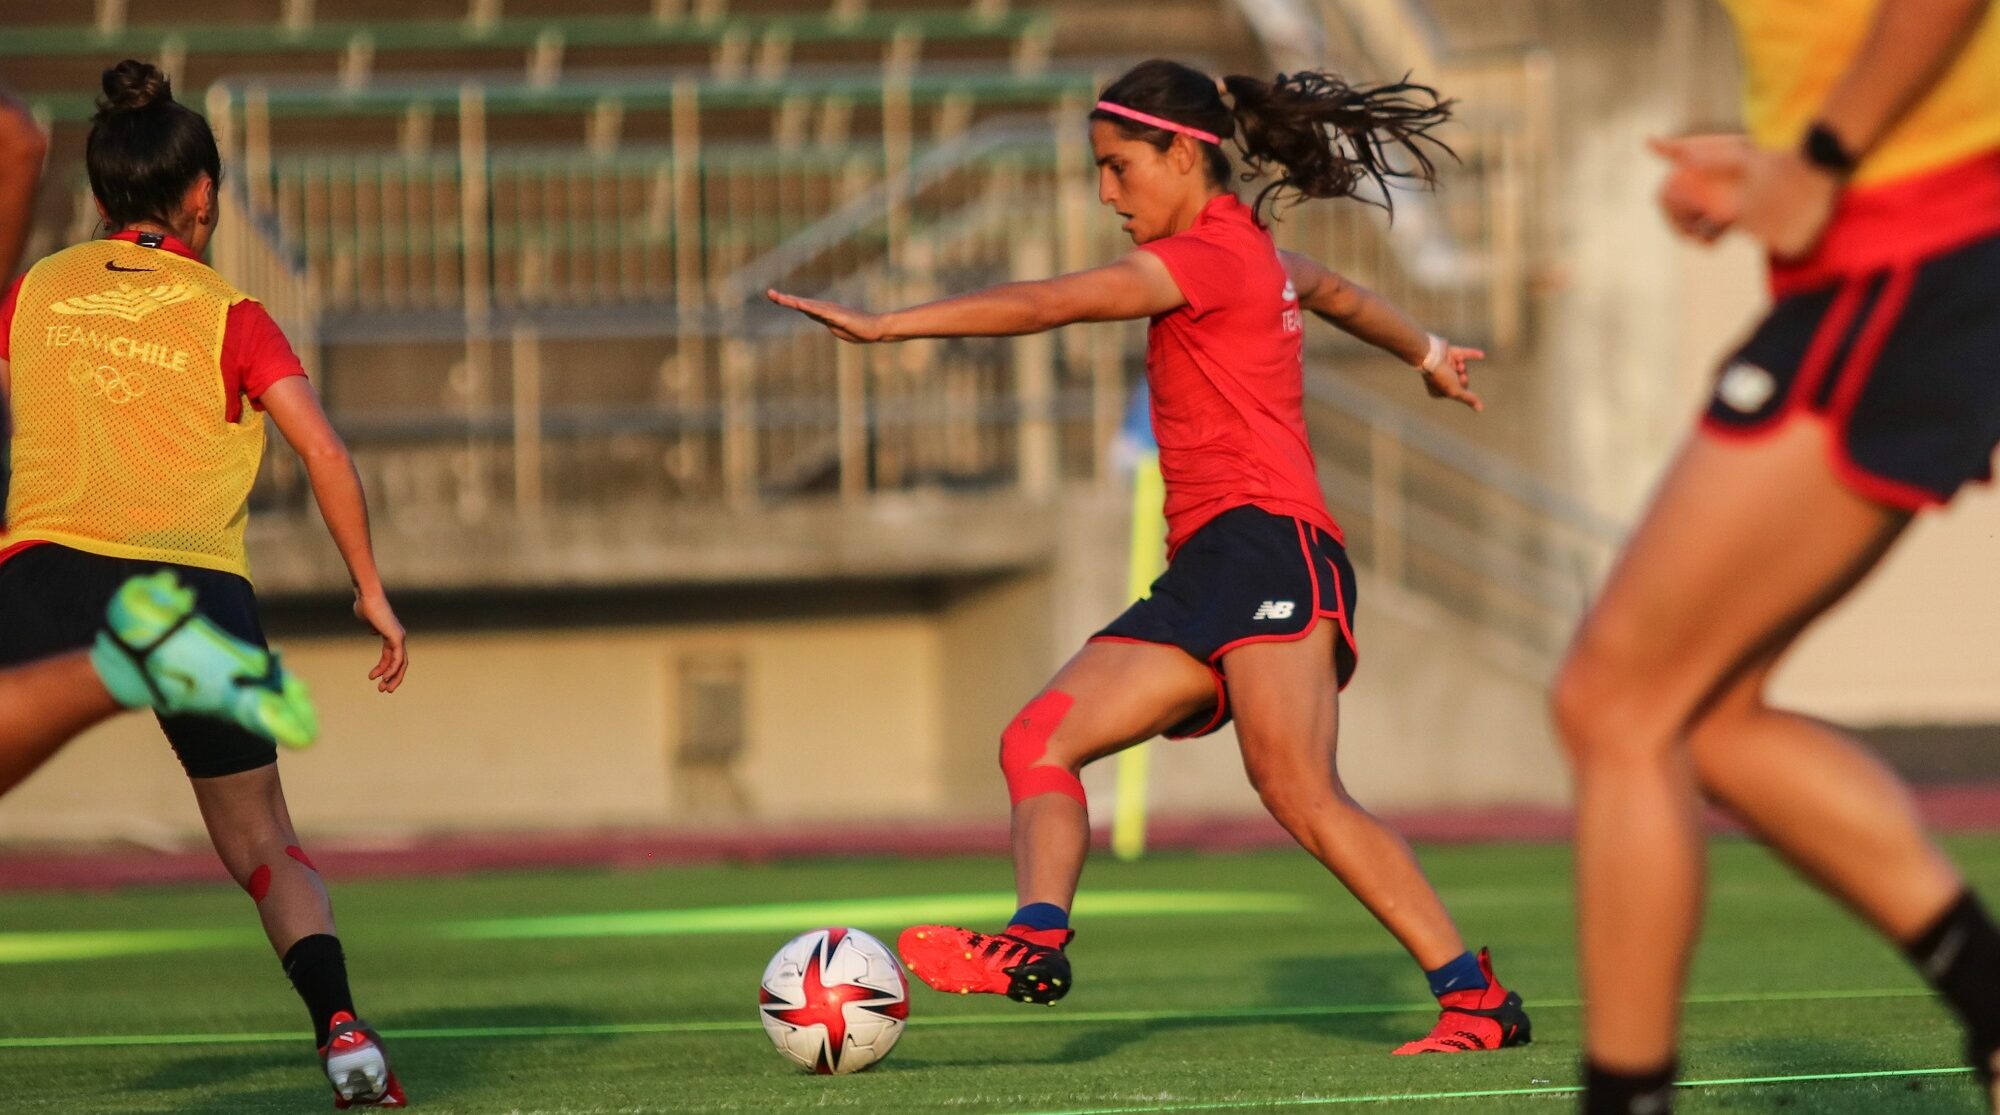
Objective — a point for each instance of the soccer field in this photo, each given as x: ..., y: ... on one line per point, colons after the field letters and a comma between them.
x: 1205, y: 983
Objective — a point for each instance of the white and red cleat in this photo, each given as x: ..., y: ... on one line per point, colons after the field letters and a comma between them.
x: 356, y: 1066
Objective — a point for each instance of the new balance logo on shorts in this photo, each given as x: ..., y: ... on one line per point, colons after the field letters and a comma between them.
x: 1274, y: 609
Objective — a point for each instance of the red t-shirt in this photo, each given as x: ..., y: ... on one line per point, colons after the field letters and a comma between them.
x: 1227, y: 378
x: 255, y: 354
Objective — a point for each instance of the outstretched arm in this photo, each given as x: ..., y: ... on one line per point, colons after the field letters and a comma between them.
x: 1134, y: 287
x: 1366, y: 315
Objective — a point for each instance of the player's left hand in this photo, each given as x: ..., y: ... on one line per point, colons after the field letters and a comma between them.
x: 1787, y: 202
x: 1448, y: 379
x: 373, y: 609
x: 854, y: 326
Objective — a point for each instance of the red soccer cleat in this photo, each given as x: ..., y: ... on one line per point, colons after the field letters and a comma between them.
x: 1026, y: 965
x: 1476, y: 1021
x: 357, y: 1068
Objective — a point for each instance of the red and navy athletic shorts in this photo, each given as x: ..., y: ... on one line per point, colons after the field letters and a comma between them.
x: 1901, y: 361
x: 1247, y: 576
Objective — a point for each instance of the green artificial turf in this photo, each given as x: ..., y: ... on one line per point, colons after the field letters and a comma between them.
x: 1204, y: 983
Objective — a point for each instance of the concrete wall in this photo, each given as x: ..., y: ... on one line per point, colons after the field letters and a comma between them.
x: 531, y: 729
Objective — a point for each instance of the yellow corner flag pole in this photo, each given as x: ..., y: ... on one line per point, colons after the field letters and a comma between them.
x: 1148, y: 561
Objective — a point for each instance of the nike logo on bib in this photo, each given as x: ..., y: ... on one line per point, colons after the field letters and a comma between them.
x: 109, y: 266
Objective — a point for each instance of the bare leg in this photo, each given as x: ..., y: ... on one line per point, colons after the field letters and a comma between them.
x: 1745, y: 544
x: 1123, y: 694
x: 44, y: 705
x: 1830, y: 807
x: 251, y: 828
x: 1287, y: 707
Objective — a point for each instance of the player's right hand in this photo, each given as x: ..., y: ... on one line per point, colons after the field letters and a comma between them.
x: 1449, y: 378
x: 1702, y: 196
x: 374, y: 610
x: 854, y: 326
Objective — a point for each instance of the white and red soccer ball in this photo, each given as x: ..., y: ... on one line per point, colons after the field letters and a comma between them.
x: 834, y: 1000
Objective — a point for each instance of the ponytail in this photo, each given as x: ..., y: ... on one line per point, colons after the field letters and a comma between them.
x: 1322, y: 137
x: 1325, y: 138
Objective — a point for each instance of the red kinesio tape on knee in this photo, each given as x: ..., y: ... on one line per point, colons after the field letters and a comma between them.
x: 259, y: 883
x: 298, y: 853
x: 1024, y: 743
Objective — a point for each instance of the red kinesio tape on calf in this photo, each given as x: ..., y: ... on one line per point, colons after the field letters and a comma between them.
x: 298, y: 853
x: 1024, y: 743
x: 259, y: 883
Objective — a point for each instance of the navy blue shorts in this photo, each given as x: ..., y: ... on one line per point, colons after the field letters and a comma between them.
x: 1903, y: 363
x: 1247, y: 576
x: 52, y: 601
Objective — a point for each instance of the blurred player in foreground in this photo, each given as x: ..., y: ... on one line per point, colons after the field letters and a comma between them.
x: 1872, y: 175
x: 152, y: 652
x: 1254, y: 615
x: 128, y: 363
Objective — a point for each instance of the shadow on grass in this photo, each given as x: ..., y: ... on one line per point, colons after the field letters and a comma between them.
x: 429, y: 1067
x: 1290, y: 982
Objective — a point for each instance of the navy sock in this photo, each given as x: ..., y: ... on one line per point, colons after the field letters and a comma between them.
x: 1041, y: 915
x: 1462, y: 974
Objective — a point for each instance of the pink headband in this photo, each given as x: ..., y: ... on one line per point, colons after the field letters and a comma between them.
x: 1154, y: 121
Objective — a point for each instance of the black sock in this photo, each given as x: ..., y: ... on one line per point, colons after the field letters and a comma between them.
x: 1959, y: 955
x: 1617, y: 1093
x: 319, y: 970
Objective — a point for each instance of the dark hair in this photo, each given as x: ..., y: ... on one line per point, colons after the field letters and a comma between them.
x: 145, y: 148
x: 1324, y: 136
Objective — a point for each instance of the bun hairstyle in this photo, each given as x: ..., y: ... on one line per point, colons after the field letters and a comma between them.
x: 1323, y: 136
x: 146, y: 149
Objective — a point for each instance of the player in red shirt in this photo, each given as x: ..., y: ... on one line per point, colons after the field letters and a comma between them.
x: 1233, y: 627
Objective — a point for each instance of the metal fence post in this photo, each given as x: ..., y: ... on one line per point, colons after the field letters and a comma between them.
x: 851, y: 384
x: 739, y: 423
x: 1034, y: 381
x: 527, y: 367
x: 690, y: 287
x: 477, y: 286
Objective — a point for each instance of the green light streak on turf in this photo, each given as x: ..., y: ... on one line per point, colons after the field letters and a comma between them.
x: 781, y: 917
x: 793, y: 917
x: 97, y: 944
x: 1010, y: 1018
x: 1495, y: 1093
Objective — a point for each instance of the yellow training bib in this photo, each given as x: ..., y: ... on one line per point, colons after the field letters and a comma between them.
x: 121, y: 446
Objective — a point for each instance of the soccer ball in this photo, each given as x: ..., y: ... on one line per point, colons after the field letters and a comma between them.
x: 834, y: 1000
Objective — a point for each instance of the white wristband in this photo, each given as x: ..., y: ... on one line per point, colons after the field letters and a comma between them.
x: 1434, y: 359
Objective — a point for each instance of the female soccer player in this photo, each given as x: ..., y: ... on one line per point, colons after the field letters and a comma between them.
x: 129, y: 363
x: 153, y: 651
x: 1234, y: 627
x: 1872, y: 174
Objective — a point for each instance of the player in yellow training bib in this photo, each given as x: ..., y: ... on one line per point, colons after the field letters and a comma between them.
x: 138, y: 381
x: 1871, y: 174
